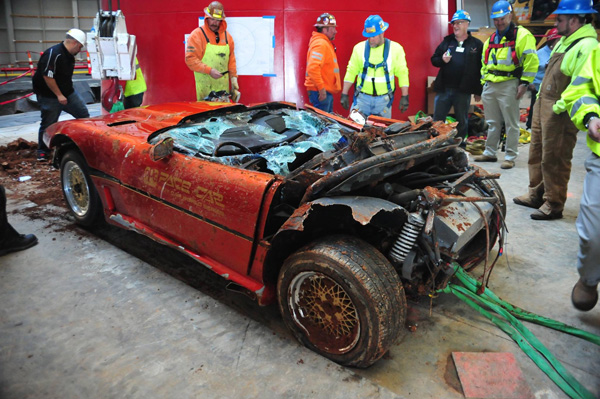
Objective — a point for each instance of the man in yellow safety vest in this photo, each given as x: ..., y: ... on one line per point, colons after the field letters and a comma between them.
x: 553, y: 135
x: 510, y: 63
x: 374, y: 64
x: 582, y: 99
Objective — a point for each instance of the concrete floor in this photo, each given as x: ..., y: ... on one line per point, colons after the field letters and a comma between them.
x: 106, y: 313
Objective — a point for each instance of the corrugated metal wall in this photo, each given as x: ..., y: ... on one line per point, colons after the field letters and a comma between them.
x: 35, y: 25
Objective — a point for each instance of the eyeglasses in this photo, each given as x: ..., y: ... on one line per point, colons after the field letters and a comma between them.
x: 458, y: 22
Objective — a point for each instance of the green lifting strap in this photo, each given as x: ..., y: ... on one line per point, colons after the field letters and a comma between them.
x: 519, y: 333
x: 382, y: 64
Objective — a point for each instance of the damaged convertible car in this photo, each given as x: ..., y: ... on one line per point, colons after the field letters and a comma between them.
x: 336, y: 221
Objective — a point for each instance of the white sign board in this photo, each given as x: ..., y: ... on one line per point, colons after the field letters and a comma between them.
x: 254, y: 39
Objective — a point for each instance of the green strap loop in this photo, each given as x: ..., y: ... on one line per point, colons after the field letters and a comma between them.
x: 532, y: 347
x: 473, y: 285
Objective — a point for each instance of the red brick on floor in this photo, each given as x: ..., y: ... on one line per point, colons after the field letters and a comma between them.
x: 491, y: 376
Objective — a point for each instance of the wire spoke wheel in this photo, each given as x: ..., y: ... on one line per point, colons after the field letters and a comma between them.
x: 78, y: 189
x: 343, y: 299
x: 77, y: 192
x: 325, y: 310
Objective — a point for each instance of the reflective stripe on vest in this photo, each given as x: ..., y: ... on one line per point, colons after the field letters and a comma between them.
x: 512, y: 51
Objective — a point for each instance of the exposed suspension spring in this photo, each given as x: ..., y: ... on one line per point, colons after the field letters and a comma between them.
x: 407, y: 237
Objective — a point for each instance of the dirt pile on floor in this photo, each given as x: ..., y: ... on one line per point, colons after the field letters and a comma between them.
x: 26, y: 178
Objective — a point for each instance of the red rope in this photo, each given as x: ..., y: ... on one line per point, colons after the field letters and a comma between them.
x: 16, y: 99
x: 10, y: 80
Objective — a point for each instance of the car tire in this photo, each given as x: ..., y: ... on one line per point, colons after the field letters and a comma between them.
x: 79, y: 190
x: 343, y: 299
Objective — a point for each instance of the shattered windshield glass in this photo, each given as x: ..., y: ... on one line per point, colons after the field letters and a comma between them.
x: 277, y: 136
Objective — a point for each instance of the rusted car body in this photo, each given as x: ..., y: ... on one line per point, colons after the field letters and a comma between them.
x: 332, y: 219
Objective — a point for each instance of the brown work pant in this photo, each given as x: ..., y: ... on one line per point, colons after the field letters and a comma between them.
x: 553, y: 138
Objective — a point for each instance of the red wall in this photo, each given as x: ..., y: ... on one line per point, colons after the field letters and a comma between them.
x: 418, y: 25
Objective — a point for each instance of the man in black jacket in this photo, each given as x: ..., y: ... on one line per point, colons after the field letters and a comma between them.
x: 53, y: 85
x: 459, y: 60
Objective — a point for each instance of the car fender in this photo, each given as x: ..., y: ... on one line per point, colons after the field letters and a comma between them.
x: 330, y: 215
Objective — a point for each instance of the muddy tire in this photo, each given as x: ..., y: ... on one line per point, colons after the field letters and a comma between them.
x: 342, y: 298
x: 79, y: 190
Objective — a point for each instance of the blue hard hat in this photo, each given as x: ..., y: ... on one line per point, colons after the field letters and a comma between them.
x: 461, y: 14
x: 500, y: 9
x: 575, y: 7
x: 374, y: 26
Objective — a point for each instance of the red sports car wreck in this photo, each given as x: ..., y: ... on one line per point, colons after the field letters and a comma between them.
x: 332, y: 219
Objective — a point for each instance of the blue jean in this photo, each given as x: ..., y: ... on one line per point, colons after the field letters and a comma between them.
x: 51, y: 110
x: 325, y: 105
x: 449, y: 98
x: 373, y: 105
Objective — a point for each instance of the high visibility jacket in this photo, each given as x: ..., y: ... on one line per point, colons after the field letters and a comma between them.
x: 196, y: 45
x: 322, y: 70
x: 582, y: 95
x: 515, y: 58
x: 579, y: 45
x: 138, y: 85
x: 375, y: 78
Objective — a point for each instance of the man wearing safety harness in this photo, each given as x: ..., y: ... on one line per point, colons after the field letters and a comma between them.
x: 209, y: 53
x: 510, y: 63
x: 582, y: 99
x: 553, y: 135
x: 376, y: 62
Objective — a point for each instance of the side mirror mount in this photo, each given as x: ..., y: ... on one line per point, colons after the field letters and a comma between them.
x: 162, y: 149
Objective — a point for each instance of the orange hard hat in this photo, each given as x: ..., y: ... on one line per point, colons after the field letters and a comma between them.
x: 215, y: 10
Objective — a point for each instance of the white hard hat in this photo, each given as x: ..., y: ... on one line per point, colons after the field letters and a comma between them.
x: 78, y: 35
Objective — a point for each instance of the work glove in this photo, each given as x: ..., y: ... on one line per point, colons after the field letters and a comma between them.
x: 234, y: 84
x: 345, y: 101
x: 403, y: 103
x: 235, y: 90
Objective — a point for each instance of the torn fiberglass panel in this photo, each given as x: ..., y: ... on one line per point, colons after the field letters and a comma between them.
x: 279, y: 157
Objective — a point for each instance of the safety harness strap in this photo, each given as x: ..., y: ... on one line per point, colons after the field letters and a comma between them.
x: 204, y: 33
x: 383, y: 64
x: 217, y: 40
x: 493, y: 45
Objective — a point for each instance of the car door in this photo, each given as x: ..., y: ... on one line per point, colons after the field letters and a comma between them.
x: 209, y: 209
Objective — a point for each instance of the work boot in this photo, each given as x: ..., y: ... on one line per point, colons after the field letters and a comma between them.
x: 526, y: 200
x: 584, y: 297
x: 546, y: 213
x: 484, y: 158
x: 17, y: 243
x: 507, y: 165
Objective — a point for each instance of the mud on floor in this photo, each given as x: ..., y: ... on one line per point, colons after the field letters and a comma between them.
x: 26, y: 179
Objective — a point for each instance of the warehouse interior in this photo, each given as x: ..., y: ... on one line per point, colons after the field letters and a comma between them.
x: 103, y: 312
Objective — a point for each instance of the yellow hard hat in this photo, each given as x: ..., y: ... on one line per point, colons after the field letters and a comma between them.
x: 215, y: 10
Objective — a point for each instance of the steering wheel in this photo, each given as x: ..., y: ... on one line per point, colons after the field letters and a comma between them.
x: 231, y: 143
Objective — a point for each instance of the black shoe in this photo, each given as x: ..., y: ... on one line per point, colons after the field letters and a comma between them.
x: 19, y: 243
x: 43, y: 156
